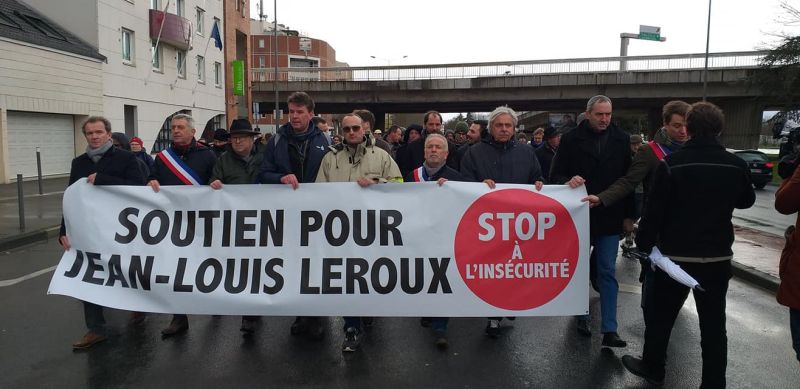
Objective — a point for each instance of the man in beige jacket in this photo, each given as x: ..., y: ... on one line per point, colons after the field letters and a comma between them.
x: 357, y: 159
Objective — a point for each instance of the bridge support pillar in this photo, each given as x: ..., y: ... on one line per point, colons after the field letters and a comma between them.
x: 742, y: 123
x: 380, y: 118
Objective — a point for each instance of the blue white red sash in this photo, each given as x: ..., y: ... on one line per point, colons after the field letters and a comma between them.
x: 179, y: 168
x: 659, y: 150
x: 420, y: 175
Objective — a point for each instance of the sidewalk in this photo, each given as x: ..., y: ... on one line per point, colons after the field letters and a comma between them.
x: 42, y: 212
x: 756, y: 254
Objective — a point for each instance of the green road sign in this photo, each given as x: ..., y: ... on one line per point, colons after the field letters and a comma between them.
x: 650, y: 36
x: 238, y: 78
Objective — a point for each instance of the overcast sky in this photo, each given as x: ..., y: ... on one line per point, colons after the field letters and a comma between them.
x: 440, y: 31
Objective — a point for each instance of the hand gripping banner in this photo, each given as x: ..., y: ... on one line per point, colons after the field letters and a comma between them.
x: 328, y: 249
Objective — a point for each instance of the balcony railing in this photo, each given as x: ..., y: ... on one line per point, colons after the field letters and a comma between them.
x: 177, y: 31
x: 732, y: 60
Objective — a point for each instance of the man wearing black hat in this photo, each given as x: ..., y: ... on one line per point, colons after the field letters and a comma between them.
x: 547, y: 151
x: 221, y: 138
x: 240, y: 165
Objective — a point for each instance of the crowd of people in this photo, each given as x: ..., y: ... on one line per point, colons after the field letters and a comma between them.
x: 667, y: 181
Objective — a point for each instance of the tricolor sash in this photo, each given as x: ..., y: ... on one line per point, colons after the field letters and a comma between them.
x: 660, y: 151
x: 420, y: 175
x: 179, y: 168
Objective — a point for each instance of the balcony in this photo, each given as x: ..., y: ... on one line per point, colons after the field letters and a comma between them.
x: 176, y: 31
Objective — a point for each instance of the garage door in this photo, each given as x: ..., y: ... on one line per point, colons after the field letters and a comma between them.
x: 52, y: 133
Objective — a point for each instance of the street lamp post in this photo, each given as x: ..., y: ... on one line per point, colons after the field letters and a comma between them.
x: 388, y: 61
x: 275, y: 117
x: 708, y: 36
x: 649, y: 33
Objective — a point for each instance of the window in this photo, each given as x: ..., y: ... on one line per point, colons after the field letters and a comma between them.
x: 180, y: 6
x: 128, y: 53
x: 155, y: 53
x: 201, y: 69
x: 181, y: 61
x: 260, y: 43
x: 154, y: 4
x: 261, y: 61
x: 129, y: 112
x: 217, y: 74
x: 201, y: 16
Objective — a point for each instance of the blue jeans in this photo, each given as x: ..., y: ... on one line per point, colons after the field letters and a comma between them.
x: 606, y: 248
x: 794, y: 325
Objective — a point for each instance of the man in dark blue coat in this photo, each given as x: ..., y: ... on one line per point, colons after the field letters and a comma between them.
x: 499, y: 159
x: 102, y: 164
x: 185, y: 162
x: 292, y: 157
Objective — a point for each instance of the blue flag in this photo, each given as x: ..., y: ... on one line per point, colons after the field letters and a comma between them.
x: 215, y: 36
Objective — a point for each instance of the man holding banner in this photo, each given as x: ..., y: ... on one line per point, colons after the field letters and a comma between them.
x: 102, y: 164
x: 239, y: 166
x: 185, y: 162
x: 435, y: 169
x: 357, y: 159
x: 499, y: 159
x: 292, y: 157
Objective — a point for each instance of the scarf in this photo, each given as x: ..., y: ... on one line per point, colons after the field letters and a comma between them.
x: 663, y: 139
x: 431, y: 170
x: 96, y: 154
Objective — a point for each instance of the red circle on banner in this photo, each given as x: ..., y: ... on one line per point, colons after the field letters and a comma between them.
x: 516, y: 249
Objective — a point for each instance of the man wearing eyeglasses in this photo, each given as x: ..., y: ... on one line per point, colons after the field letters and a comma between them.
x: 357, y: 159
x: 292, y: 157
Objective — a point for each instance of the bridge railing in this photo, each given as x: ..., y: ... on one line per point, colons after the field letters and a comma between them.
x: 743, y: 59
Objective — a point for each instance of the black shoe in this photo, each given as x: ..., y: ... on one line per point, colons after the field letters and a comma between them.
x: 493, y: 328
x: 368, y: 322
x: 177, y: 326
x: 582, y: 326
x: 441, y: 339
x: 639, y: 368
x: 352, y: 339
x: 248, y: 327
x: 612, y: 339
x: 299, y: 326
x: 315, y: 328
x: 425, y: 322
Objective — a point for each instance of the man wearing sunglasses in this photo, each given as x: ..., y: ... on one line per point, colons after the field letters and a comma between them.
x: 292, y: 157
x: 357, y: 159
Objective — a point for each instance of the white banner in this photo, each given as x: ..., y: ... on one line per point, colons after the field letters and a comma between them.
x: 331, y: 249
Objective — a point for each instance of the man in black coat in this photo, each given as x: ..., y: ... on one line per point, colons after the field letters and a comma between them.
x: 688, y: 217
x: 415, y: 151
x: 102, y: 164
x: 185, y: 162
x: 499, y: 159
x: 597, y: 153
x: 547, y: 151
x: 435, y: 169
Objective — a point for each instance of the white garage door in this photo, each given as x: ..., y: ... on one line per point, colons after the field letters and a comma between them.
x: 52, y: 133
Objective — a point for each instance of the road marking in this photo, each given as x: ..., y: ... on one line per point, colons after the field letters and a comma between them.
x: 32, y: 195
x: 35, y: 274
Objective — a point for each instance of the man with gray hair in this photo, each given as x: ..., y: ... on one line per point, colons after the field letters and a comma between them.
x: 184, y: 162
x: 499, y: 159
x: 596, y: 153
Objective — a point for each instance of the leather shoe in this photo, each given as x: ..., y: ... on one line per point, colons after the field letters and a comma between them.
x: 137, y: 318
x: 639, y: 368
x: 582, y: 326
x: 612, y: 339
x: 176, y: 327
x: 248, y: 327
x: 88, y: 340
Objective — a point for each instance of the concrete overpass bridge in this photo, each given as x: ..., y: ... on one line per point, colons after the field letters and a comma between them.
x: 639, y: 84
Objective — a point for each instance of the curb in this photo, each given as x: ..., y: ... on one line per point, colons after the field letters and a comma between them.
x: 755, y: 277
x: 26, y: 238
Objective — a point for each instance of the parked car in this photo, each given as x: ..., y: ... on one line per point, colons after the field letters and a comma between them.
x: 759, y: 164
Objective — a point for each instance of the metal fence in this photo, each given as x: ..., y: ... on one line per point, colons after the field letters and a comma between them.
x: 742, y: 59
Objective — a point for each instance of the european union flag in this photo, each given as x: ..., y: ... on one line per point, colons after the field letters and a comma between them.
x: 215, y: 36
